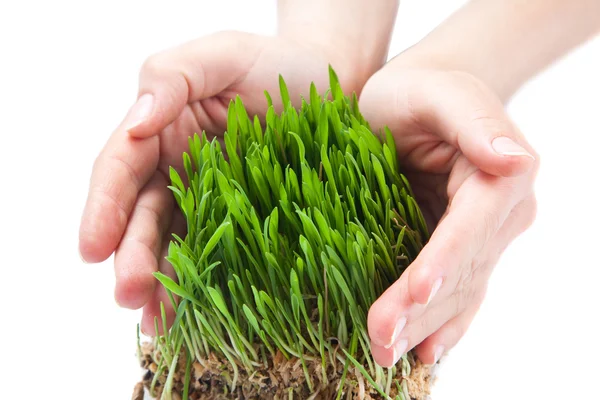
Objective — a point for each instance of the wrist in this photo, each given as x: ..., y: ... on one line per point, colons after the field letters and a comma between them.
x: 351, y: 35
x: 443, y: 57
x: 505, y: 43
x: 353, y: 70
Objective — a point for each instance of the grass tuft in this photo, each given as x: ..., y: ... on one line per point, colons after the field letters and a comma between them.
x: 293, y: 231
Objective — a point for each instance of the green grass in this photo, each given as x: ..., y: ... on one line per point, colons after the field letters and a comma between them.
x: 293, y: 231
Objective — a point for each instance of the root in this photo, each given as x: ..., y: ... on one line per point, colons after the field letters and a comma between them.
x: 211, y: 379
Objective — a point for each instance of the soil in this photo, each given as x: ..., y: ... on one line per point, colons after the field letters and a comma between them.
x: 282, y: 379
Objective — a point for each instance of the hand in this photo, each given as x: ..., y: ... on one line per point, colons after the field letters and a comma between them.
x: 472, y: 173
x: 129, y: 209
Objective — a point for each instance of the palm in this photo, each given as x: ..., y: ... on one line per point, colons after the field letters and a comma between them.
x: 472, y: 178
x: 435, y: 167
x: 300, y: 66
x: 435, y: 190
x: 430, y: 164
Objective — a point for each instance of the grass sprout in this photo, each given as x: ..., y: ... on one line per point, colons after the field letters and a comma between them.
x: 294, y: 229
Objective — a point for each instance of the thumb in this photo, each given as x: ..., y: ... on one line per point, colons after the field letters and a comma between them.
x: 463, y: 112
x: 191, y: 72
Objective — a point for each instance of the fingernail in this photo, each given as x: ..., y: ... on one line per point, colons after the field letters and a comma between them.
x: 434, y: 289
x: 143, y: 331
x: 399, y: 350
x: 507, y: 147
x: 140, y: 112
x: 397, y: 330
x: 439, y: 352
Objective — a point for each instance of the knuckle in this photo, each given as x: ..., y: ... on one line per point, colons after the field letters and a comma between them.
x: 107, y: 198
x: 487, y: 112
x: 482, y: 115
x: 493, y: 126
x: 153, y: 215
x: 155, y: 63
x: 134, y: 175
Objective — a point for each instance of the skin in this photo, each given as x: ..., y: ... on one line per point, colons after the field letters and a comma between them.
x: 472, y: 169
x: 478, y: 199
x: 447, y: 113
x: 129, y: 210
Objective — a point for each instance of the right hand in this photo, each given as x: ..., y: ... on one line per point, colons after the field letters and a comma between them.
x: 129, y: 210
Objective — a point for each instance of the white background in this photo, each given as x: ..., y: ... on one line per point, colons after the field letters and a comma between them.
x: 68, y: 73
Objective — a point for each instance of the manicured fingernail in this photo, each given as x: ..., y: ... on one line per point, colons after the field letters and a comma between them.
x: 507, y: 147
x: 434, y: 289
x: 399, y: 350
x: 140, y: 112
x: 439, y: 352
x: 397, y: 330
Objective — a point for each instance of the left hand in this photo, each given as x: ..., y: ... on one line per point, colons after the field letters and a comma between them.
x: 130, y: 211
x: 472, y: 173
